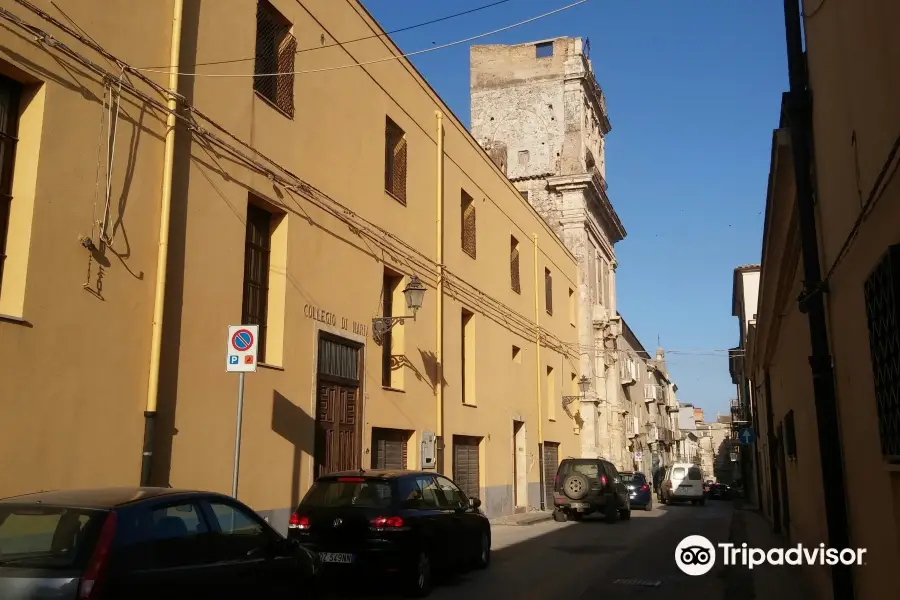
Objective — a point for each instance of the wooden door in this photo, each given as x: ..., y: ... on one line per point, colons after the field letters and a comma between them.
x: 337, y: 446
x: 551, y: 463
x: 466, y: 465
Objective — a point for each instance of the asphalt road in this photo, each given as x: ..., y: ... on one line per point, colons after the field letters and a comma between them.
x: 593, y: 559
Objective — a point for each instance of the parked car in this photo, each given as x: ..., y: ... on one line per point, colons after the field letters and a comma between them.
x: 144, y: 543
x: 639, y: 492
x: 407, y: 523
x: 719, y: 491
x: 587, y: 485
x: 683, y: 482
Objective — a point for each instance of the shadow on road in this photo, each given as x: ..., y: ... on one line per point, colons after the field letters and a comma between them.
x: 564, y: 548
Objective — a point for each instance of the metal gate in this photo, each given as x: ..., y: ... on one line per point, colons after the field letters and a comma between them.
x: 389, y: 448
x: 337, y: 445
x: 466, y: 464
x: 551, y: 463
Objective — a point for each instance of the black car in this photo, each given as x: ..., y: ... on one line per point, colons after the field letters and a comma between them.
x: 406, y: 523
x: 586, y: 485
x: 640, y: 494
x: 719, y: 491
x: 144, y: 543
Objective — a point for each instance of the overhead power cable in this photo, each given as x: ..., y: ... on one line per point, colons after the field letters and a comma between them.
x: 253, y: 159
x: 375, y: 61
x: 353, y: 41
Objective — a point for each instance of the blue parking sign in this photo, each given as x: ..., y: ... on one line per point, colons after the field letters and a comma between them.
x: 233, y: 359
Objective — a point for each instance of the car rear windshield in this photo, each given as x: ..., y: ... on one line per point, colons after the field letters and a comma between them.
x: 633, y: 478
x: 349, y: 492
x: 678, y: 473
x: 47, y: 537
x: 694, y: 474
x: 588, y: 469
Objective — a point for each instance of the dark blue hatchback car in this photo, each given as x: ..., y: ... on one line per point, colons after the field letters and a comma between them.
x: 638, y: 490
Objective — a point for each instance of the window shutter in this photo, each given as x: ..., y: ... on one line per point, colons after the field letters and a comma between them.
x: 514, y: 271
x: 468, y: 229
x: 399, y: 171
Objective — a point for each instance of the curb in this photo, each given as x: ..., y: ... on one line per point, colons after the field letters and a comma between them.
x: 527, y: 519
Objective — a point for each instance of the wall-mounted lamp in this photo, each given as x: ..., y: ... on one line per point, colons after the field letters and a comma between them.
x: 584, y: 385
x: 415, y: 295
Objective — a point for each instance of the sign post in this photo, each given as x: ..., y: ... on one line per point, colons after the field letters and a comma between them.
x: 241, y: 358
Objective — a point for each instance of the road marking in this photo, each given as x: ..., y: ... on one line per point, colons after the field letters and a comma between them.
x: 638, y: 582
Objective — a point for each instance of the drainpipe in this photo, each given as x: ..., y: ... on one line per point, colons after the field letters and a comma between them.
x: 162, y: 257
x: 537, y: 344
x: 797, y: 109
x: 439, y: 319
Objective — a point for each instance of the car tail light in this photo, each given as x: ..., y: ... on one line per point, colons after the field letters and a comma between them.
x: 387, y: 522
x: 298, y: 522
x: 645, y: 487
x: 351, y: 479
x: 603, y: 480
x: 92, y: 579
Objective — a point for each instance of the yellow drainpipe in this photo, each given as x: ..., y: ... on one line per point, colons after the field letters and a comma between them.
x: 537, y: 344
x: 439, y: 319
x: 162, y: 257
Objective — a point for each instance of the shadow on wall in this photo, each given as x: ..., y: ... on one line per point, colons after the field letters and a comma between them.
x: 297, y: 427
x: 171, y: 335
x: 430, y: 362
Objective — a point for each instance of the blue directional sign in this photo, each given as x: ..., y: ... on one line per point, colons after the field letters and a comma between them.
x: 746, y: 436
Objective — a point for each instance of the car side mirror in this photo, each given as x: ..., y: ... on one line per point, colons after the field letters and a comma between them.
x: 474, y: 502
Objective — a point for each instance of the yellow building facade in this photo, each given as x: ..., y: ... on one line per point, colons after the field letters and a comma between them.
x: 852, y: 60
x: 303, y: 203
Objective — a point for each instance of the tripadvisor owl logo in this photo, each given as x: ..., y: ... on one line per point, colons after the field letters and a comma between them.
x: 696, y: 555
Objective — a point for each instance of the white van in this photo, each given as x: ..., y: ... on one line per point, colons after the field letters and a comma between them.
x: 683, y: 482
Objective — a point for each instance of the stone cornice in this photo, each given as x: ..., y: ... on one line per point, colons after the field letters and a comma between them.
x: 592, y: 182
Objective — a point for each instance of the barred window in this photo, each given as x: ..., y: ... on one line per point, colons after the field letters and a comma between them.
x: 468, y: 224
x: 395, y: 161
x: 276, y: 48
x: 882, y: 297
x: 514, y: 279
x: 548, y: 291
x: 9, y: 121
x: 257, y: 248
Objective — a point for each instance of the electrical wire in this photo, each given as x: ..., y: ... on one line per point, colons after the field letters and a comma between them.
x: 353, y: 41
x: 375, y: 61
x: 279, y: 175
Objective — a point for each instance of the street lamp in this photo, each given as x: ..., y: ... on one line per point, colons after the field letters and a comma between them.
x: 584, y: 385
x: 415, y: 295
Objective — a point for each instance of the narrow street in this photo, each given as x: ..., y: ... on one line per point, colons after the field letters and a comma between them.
x: 584, y: 560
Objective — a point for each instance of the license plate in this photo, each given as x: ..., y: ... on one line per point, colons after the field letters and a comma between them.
x: 579, y: 505
x: 633, y: 495
x: 341, y: 558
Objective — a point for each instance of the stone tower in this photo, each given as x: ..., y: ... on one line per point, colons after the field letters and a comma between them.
x: 541, y: 103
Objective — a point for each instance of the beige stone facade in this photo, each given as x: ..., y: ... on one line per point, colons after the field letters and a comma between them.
x: 539, y: 111
x: 303, y: 203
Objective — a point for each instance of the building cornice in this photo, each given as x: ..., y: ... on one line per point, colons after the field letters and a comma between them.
x: 596, y: 184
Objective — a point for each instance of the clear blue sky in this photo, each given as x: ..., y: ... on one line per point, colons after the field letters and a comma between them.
x: 693, y: 89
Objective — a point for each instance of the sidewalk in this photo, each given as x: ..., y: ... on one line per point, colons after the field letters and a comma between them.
x: 764, y: 582
x: 526, y: 518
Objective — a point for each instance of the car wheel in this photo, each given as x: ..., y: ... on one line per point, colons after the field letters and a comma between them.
x: 420, y: 577
x: 626, y: 513
x: 484, y: 552
x: 560, y: 516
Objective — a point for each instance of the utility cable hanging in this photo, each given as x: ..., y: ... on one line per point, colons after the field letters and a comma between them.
x: 353, y: 41
x: 281, y: 175
x: 379, y: 60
